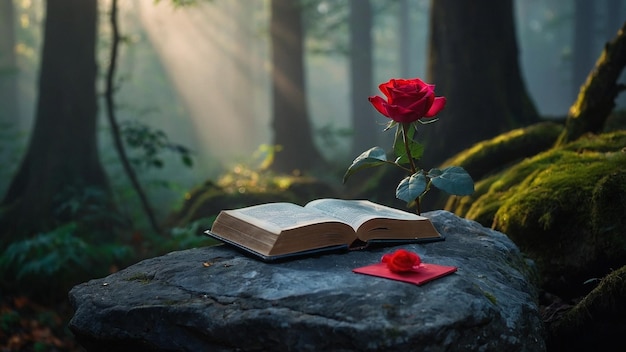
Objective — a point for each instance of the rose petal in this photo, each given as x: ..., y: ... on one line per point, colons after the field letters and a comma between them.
x: 401, y: 261
x: 401, y: 114
x: 388, y: 88
x: 380, y: 104
x: 408, y: 100
x: 438, y: 104
x: 415, y: 81
x: 421, y: 105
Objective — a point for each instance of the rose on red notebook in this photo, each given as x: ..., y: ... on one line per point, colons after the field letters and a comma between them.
x: 406, y: 266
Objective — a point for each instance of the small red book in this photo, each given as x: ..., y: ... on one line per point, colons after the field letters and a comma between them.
x: 420, y: 276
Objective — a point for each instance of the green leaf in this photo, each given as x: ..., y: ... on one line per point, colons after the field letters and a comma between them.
x: 453, y: 180
x: 412, y: 187
x: 187, y: 160
x: 369, y: 158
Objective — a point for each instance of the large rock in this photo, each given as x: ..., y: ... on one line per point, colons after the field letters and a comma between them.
x: 216, y: 299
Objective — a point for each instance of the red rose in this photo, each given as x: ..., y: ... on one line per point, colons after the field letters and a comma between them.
x: 401, y: 261
x: 408, y: 100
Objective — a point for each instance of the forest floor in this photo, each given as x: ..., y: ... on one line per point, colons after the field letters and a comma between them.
x: 28, y: 326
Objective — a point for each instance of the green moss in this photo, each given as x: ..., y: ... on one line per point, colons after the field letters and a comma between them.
x: 562, y: 186
x: 141, y: 277
x: 491, y: 155
x: 563, y: 170
x: 563, y: 207
x: 486, y: 160
x: 607, y: 142
x: 608, y: 207
x: 478, y: 207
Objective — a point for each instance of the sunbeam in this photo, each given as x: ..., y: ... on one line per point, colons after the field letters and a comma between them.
x: 216, y: 58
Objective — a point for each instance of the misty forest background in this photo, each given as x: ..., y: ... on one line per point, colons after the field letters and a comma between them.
x: 194, y: 92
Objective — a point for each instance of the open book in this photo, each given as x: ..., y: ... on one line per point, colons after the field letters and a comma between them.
x: 278, y: 230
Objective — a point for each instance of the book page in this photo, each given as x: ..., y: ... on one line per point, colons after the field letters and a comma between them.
x: 356, y: 212
x: 275, y: 217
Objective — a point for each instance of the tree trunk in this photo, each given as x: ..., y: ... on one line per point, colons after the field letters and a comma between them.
x: 62, y: 154
x: 290, y: 123
x: 363, y: 118
x: 474, y: 63
x: 597, y: 96
x: 8, y: 64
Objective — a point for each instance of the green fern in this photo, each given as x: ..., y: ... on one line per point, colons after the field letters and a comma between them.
x: 57, y: 259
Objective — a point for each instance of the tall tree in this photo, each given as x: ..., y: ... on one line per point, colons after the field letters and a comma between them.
x: 474, y: 63
x: 361, y: 75
x: 8, y: 63
x: 62, y: 154
x: 290, y: 122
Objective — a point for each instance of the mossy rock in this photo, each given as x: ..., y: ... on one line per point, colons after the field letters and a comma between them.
x: 497, y: 153
x: 486, y: 159
x: 465, y: 205
x: 565, y: 208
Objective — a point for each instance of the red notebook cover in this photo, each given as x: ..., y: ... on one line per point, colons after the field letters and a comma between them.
x: 424, y: 274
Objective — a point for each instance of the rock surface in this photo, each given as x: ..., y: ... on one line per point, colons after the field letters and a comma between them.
x: 216, y: 299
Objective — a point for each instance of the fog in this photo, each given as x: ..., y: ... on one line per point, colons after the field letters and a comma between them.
x: 201, y: 73
x: 219, y: 68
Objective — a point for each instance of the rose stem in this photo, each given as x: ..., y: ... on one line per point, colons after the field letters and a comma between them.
x: 405, y: 139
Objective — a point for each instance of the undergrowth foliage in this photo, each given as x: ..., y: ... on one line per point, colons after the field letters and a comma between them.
x: 91, y: 237
x: 82, y: 245
x: 89, y: 207
x: 50, y: 263
x: 150, y: 143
